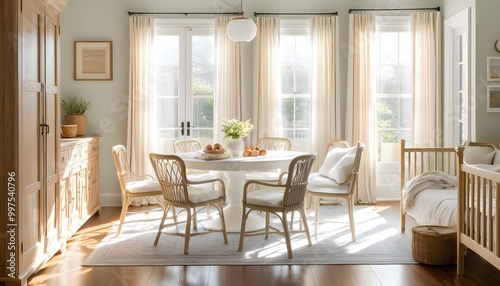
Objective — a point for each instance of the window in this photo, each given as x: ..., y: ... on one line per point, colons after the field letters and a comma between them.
x: 184, y: 85
x: 295, y: 52
x: 393, y: 88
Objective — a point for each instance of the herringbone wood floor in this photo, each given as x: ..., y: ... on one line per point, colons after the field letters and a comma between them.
x: 65, y: 269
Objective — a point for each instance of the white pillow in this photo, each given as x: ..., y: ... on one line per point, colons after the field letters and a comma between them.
x: 479, y: 154
x: 496, y: 159
x: 338, y: 164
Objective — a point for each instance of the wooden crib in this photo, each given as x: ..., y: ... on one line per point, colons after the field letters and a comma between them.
x: 476, y: 200
x: 478, y: 222
x: 414, y: 162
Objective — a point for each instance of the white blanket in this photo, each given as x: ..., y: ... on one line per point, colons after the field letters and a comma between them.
x: 426, y: 180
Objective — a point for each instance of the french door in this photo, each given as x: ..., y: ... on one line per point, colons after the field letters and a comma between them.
x: 459, y: 112
x: 184, y: 85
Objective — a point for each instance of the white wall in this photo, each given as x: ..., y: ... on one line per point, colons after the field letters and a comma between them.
x: 485, y: 31
x: 108, y: 20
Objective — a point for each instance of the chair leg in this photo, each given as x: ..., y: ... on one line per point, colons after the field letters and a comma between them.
x: 308, y: 204
x: 165, y: 214
x: 223, y: 222
x: 268, y: 221
x: 350, y: 210
x: 287, y: 235
x: 187, y: 234
x: 243, y: 227
x: 208, y: 211
x: 306, y: 227
x: 125, y: 203
x: 316, y: 217
x: 195, y: 219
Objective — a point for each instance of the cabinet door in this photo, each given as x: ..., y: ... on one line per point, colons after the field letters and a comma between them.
x: 93, y: 186
x: 50, y: 114
x: 31, y: 156
x: 65, y: 205
x: 83, y: 189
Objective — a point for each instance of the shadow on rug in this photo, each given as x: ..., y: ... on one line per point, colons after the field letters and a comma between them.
x: 378, y: 241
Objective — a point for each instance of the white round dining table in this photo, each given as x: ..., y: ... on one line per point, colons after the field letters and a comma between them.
x: 235, y: 169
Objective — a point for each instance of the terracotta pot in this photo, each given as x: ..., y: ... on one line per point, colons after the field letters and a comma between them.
x: 68, y: 131
x: 77, y: 119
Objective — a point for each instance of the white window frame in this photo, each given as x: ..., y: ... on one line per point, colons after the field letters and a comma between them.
x: 387, y: 173
x: 297, y: 27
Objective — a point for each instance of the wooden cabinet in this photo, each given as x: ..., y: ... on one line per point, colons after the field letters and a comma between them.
x: 79, y: 189
x: 30, y: 144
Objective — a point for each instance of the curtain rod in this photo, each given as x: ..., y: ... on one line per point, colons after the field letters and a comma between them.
x: 294, y: 14
x: 403, y: 9
x: 183, y: 13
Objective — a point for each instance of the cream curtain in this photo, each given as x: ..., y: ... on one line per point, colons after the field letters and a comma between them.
x: 140, y: 129
x: 426, y: 81
x: 324, y: 119
x: 227, y: 76
x: 268, y: 78
x: 360, y: 111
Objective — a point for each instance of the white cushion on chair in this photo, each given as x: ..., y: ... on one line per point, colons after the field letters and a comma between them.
x: 268, y: 198
x: 338, y: 164
x: 319, y: 183
x: 199, y: 193
x: 143, y: 186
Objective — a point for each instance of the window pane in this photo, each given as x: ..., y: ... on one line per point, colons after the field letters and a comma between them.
x: 167, y: 60
x: 203, y: 65
x: 392, y: 58
x: 203, y: 112
x: 295, y: 84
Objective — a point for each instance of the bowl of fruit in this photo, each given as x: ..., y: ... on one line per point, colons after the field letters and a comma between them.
x: 214, y: 149
x: 254, y: 151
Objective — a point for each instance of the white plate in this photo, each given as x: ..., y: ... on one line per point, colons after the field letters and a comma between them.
x: 207, y: 156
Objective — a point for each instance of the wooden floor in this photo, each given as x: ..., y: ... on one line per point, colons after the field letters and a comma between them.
x: 65, y: 269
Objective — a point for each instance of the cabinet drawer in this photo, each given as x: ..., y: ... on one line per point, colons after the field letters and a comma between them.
x: 63, y: 159
x: 73, y: 155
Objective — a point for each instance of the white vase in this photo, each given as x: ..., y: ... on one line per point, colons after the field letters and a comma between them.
x: 234, y: 146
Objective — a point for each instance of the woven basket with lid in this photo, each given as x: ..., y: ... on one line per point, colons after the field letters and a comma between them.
x: 434, y: 245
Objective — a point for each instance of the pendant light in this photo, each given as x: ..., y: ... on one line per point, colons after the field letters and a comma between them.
x: 241, y: 28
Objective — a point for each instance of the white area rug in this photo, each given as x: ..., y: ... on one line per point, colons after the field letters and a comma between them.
x: 378, y: 241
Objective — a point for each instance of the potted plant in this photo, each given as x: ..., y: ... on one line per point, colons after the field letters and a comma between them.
x: 75, y: 108
x: 234, y: 131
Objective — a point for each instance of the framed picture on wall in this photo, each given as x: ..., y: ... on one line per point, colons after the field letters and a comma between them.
x: 493, y: 69
x: 493, y: 98
x: 93, y: 60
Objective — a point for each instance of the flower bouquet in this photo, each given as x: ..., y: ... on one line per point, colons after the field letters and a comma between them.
x: 235, y: 129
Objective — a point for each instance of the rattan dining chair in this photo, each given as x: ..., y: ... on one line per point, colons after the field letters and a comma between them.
x: 321, y: 187
x: 270, y: 144
x: 180, y: 192
x: 279, y: 199
x: 193, y: 145
x: 132, y: 185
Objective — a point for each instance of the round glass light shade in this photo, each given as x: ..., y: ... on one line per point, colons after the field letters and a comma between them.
x: 241, y: 29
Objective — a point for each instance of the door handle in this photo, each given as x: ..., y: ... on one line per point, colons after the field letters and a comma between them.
x: 182, y: 128
x: 188, y: 128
